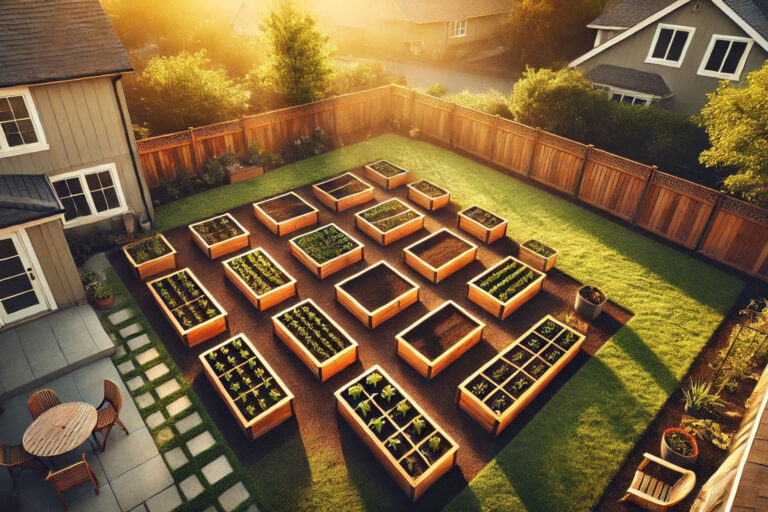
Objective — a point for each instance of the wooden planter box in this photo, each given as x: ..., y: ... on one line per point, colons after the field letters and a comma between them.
x: 481, y: 407
x: 410, y: 445
x: 428, y: 202
x: 268, y: 299
x: 201, y: 332
x: 331, y: 366
x: 252, y: 427
x: 480, y: 231
x: 238, y: 173
x: 387, y: 182
x: 323, y: 270
x: 437, y: 324
x: 225, y: 246
x: 536, y: 260
x: 281, y: 223
x: 423, y: 263
x: 154, y: 266
x: 335, y: 198
x: 387, y: 237
x: 494, y: 306
x: 373, y: 276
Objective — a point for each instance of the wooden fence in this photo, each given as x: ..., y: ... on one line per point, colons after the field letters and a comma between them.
x: 696, y: 217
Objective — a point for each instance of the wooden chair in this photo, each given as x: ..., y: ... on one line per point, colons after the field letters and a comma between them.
x: 42, y: 401
x: 657, y: 493
x: 17, y: 459
x: 71, y: 477
x: 109, y: 412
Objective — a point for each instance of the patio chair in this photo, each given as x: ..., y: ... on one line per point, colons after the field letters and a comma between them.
x: 71, y: 477
x: 656, y: 492
x: 17, y: 459
x: 109, y: 412
x: 41, y: 401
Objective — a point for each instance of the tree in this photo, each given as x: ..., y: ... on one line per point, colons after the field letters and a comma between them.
x: 736, y: 121
x: 360, y: 76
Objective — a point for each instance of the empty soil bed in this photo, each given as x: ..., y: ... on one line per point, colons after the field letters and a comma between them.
x: 377, y: 287
x: 440, y: 332
x: 284, y: 208
x: 343, y: 186
x: 440, y: 249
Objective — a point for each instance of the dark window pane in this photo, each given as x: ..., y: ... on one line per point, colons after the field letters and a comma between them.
x: 93, y: 181
x: 718, y: 54
x: 61, y: 189
x: 74, y: 186
x: 7, y: 249
x: 18, y: 107
x: 10, y: 128
x: 678, y: 43
x: 99, y: 201
x: 70, y: 208
x: 15, y: 285
x: 616, y: 97
x: 627, y: 99
x: 82, y: 206
x: 14, y: 140
x: 639, y: 101
x: 11, y: 267
x: 662, y: 43
x: 112, y: 200
x: 20, y: 302
x: 5, y: 110
x: 106, y: 178
x: 734, y: 57
x: 27, y: 131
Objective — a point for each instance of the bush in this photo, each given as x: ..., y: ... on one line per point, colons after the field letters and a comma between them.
x: 436, y: 90
x: 361, y: 76
x: 492, y: 102
x: 213, y: 176
x: 308, y: 145
x: 254, y: 155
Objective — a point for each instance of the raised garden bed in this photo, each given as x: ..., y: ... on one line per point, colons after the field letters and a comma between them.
x: 386, y: 174
x: 405, y: 440
x: 376, y: 294
x: 505, y: 287
x: 439, y: 338
x: 428, y: 195
x: 219, y: 235
x: 151, y: 256
x: 439, y: 255
x: 326, y: 250
x: 343, y: 192
x: 321, y: 344
x: 193, y: 312
x: 482, y: 224
x: 389, y: 221
x: 237, y: 172
x: 496, y: 393
x: 260, y: 278
x: 286, y: 213
x: 253, y: 392
x: 538, y: 256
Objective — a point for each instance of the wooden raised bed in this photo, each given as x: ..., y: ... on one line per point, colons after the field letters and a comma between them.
x: 389, y: 221
x: 262, y: 280
x: 162, y: 256
x: 410, y: 459
x: 538, y: 256
x: 191, y: 302
x: 438, y: 338
x: 219, y: 235
x: 286, y: 213
x: 439, y: 255
x: 376, y: 294
x: 330, y: 348
x: 335, y: 240
x: 343, y: 192
x: 239, y: 172
x: 521, y: 290
x: 428, y: 195
x: 489, y: 229
x: 496, y: 393
x: 261, y: 401
x: 386, y: 174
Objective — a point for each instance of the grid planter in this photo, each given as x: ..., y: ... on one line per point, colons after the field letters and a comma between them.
x: 482, y: 393
x: 264, y: 415
x: 425, y: 469
x: 439, y: 338
x: 376, y: 294
x: 482, y: 231
x: 339, y: 349
x: 229, y: 243
x: 330, y: 266
x: 153, y: 266
x: 197, y: 298
x: 394, y: 177
x: 439, y: 255
x: 343, y: 192
x: 268, y: 274
x: 501, y: 309
x: 388, y: 227
x: 533, y: 258
x: 428, y: 195
x: 286, y: 213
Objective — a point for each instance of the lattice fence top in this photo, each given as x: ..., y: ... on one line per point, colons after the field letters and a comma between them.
x: 747, y: 210
x: 474, y: 115
x: 701, y: 192
x: 551, y: 139
x: 434, y: 102
x: 616, y: 162
x: 215, y: 130
x: 516, y: 128
x: 163, y: 141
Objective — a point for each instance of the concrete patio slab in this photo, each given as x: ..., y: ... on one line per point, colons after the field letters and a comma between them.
x: 188, y: 423
x: 167, y: 388
x: 166, y: 501
x: 132, y: 329
x: 156, y: 372
x: 141, y: 483
x: 126, y: 367
x: 145, y: 400
x: 121, y: 457
x: 155, y: 419
x: 138, y: 342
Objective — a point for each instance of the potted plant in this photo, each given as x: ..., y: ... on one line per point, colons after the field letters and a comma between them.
x: 679, y: 447
x: 100, y: 294
x: 699, y: 402
x: 589, y: 302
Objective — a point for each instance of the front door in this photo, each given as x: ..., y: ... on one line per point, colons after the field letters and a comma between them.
x: 21, y: 291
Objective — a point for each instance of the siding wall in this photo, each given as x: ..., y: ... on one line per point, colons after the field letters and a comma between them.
x: 56, y: 262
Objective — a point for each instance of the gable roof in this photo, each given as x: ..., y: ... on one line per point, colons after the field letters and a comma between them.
x: 628, y: 13
x: 629, y: 79
x: 431, y: 11
x: 52, y: 40
x: 752, y: 12
x: 26, y: 197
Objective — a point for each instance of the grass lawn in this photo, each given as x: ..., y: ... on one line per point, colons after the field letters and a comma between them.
x: 564, y: 458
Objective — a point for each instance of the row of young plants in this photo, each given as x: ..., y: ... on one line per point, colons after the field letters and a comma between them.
x: 185, y: 300
x: 148, y: 249
x: 312, y: 328
x: 217, y: 229
x: 386, y: 169
x: 484, y: 217
x: 326, y: 243
x: 259, y: 272
x: 389, y: 215
x: 507, y: 281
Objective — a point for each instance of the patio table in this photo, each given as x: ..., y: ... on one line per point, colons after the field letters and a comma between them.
x: 60, y: 429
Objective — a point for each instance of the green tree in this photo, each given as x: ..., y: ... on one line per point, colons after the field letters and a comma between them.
x: 360, y: 76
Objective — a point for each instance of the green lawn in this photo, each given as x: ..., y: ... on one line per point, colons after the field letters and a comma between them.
x: 564, y: 458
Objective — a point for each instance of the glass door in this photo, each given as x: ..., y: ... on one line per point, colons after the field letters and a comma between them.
x: 21, y: 291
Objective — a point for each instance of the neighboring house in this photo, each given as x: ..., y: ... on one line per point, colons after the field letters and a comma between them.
x: 673, y: 53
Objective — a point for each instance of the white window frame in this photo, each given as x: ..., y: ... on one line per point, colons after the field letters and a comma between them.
x: 725, y: 76
x: 94, y: 216
x: 455, y: 32
x: 41, y: 144
x: 611, y: 90
x: 663, y: 62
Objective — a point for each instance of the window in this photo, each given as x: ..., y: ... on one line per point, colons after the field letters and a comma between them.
x: 725, y: 57
x: 20, y: 130
x: 459, y: 28
x: 669, y: 45
x: 626, y: 96
x: 89, y: 194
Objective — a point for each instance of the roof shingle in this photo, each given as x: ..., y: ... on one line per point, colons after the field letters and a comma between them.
x: 629, y: 79
x: 26, y: 197
x: 629, y: 13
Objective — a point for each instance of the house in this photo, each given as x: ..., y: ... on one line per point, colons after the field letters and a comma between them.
x: 673, y: 53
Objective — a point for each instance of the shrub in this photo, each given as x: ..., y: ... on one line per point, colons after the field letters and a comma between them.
x: 492, y: 102
x: 436, y: 90
x: 213, y: 175
x: 308, y: 145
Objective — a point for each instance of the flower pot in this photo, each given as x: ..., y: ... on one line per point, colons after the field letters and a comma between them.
x: 103, y: 304
x: 668, y: 454
x: 589, y: 302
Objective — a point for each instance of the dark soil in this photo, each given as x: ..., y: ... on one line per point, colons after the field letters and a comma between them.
x: 484, y: 217
x: 377, y: 287
x: 343, y: 186
x: 440, y: 332
x: 440, y: 249
x: 387, y: 169
x: 283, y: 208
x: 429, y: 189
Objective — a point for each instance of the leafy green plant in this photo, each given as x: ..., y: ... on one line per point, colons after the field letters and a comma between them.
x: 709, y: 430
x: 500, y: 373
x: 250, y: 411
x: 699, y: 399
x: 499, y: 404
x: 365, y: 408
x: 219, y: 367
x: 325, y: 244
x: 418, y: 425
x: 275, y: 394
x: 409, y: 462
x: 434, y: 443
x: 373, y: 379
x: 403, y: 408
x: 355, y: 391
x: 679, y: 443
x: 480, y: 389
x: 539, y: 248
x: 377, y: 424
x: 388, y: 393
x: 393, y: 444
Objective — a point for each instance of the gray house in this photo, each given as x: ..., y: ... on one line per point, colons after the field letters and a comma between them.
x: 673, y: 53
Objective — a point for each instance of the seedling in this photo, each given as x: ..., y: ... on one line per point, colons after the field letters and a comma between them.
x: 365, y: 408
x: 373, y: 379
x: 259, y: 373
x: 275, y: 395
x: 434, y: 443
x: 403, y: 408
x: 250, y: 411
x: 376, y: 424
x: 267, y: 382
x: 499, y: 404
x: 219, y: 367
x: 409, y: 462
x: 480, y: 388
x: 500, y: 373
x: 418, y: 425
x: 355, y: 391
x: 388, y: 393
x: 393, y: 444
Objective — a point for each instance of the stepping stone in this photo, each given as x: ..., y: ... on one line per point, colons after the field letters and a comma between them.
x: 166, y: 501
x: 156, y: 372
x: 155, y: 419
x: 178, y: 405
x: 139, y: 341
x: 188, y: 423
x: 166, y: 388
x: 126, y: 367
x: 200, y: 443
x: 191, y: 487
x: 120, y: 316
x: 216, y: 470
x: 234, y: 496
x: 175, y: 458
x: 120, y: 352
x: 164, y: 436
x: 131, y: 330
x: 146, y: 356
x: 145, y: 400
x: 252, y: 508
x: 135, y: 383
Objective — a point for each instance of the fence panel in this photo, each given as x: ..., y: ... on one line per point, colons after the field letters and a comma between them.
x: 362, y: 111
x: 215, y: 139
x: 274, y: 130
x: 557, y: 162
x: 514, y: 146
x: 165, y: 156
x: 402, y: 102
x: 433, y: 117
x: 473, y: 131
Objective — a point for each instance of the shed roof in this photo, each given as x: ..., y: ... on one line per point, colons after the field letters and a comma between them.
x: 630, y: 79
x: 25, y: 197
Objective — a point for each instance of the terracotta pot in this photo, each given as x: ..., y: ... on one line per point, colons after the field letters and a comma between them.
x: 668, y: 454
x: 585, y: 307
x: 104, y: 304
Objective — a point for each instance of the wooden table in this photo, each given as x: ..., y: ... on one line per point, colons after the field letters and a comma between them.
x: 60, y: 429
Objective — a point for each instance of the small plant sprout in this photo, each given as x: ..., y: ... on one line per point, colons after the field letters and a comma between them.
x: 252, y: 364
x: 373, y: 379
x: 365, y: 408
x: 267, y: 382
x: 393, y: 444
x: 500, y: 373
x: 237, y: 344
x: 247, y: 381
x: 219, y: 367
x: 418, y: 425
x: 231, y: 360
x: 235, y: 387
x: 245, y: 354
x: 480, y: 388
x: 228, y: 377
x: 212, y: 356
x: 244, y: 398
x: 376, y: 424
x: 275, y: 395
x: 403, y: 408
x: 262, y: 404
x: 548, y: 328
x: 250, y: 411
x: 434, y: 443
x: 224, y: 350
x: 409, y: 462
x: 259, y: 373
x: 355, y: 391
x: 240, y: 371
x: 499, y: 404
x: 388, y: 393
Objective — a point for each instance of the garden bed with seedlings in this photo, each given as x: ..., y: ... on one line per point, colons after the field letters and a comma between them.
x: 537, y: 255
x: 389, y: 221
x: 482, y: 224
x: 286, y: 213
x: 439, y: 255
x: 253, y: 392
x: 343, y: 192
x: 219, y: 235
x: 386, y: 174
x: 428, y: 195
x: 326, y: 250
x: 505, y: 287
x: 151, y: 256
x: 505, y: 385
x: 321, y: 344
x: 260, y: 278
x: 439, y: 338
x: 407, y: 442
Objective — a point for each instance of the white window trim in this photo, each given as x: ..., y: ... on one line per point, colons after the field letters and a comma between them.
x: 726, y: 76
x: 98, y: 216
x: 662, y: 62
x: 611, y: 90
x: 454, y: 23
x: 41, y: 144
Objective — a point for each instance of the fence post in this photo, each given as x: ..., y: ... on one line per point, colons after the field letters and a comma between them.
x: 583, y: 168
x: 654, y: 170
x: 708, y: 225
x: 245, y: 134
x: 194, y: 150
x: 412, y: 113
x: 453, y: 120
x: 533, y: 153
x: 494, y: 133
x: 335, y: 123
